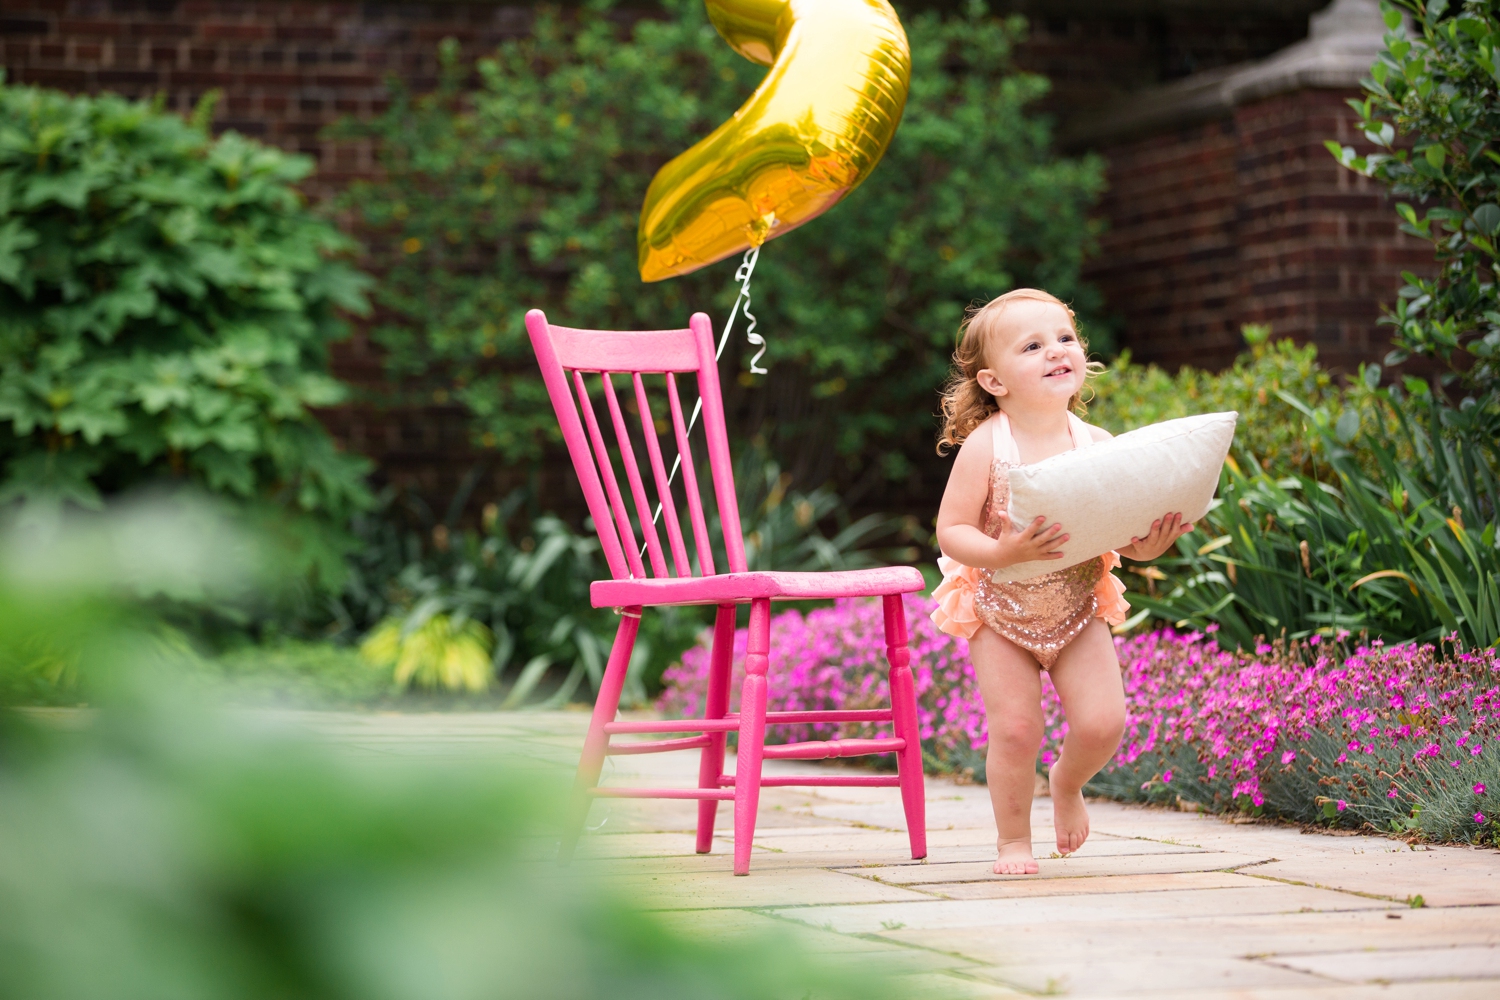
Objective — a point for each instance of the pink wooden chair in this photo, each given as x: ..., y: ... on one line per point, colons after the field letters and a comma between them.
x: 668, y: 576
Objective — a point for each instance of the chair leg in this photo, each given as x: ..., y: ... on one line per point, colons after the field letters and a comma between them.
x: 711, y: 763
x: 904, y: 714
x: 752, y: 734
x: 605, y: 705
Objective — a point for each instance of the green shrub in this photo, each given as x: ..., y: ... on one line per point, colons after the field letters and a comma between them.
x: 1128, y: 395
x: 285, y: 671
x: 166, y: 303
x: 450, y: 652
x: 1433, y: 91
x: 525, y: 192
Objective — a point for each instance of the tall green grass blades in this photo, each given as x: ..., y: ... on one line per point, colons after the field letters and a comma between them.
x: 531, y: 675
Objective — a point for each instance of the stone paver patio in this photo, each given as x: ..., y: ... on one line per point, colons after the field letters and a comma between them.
x: 1158, y: 904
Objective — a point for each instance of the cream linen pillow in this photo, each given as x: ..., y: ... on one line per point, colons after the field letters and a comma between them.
x: 1109, y: 492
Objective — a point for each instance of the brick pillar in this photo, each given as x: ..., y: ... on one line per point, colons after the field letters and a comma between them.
x: 1319, y: 249
x: 1246, y: 218
x: 1168, y: 261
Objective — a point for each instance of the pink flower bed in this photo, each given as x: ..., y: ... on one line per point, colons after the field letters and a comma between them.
x: 1403, y: 737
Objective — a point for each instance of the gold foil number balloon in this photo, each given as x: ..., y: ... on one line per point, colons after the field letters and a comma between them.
x: 811, y: 132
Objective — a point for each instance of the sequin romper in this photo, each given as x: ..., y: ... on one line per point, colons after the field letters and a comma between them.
x: 1042, y: 614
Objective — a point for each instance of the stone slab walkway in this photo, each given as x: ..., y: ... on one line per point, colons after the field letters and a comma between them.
x: 1158, y: 903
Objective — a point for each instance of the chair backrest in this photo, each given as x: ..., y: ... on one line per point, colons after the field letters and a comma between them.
x: 644, y: 359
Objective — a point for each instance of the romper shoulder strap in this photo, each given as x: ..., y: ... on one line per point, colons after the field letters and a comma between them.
x: 1005, y: 448
x: 1079, y: 430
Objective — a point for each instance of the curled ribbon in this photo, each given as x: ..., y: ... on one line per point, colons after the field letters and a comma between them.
x: 742, y: 305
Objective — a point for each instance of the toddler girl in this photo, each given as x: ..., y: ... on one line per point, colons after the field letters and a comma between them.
x: 1019, y: 367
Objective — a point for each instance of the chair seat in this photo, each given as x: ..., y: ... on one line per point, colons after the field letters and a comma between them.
x: 734, y: 588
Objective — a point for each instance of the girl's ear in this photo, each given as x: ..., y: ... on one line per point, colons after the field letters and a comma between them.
x: 990, y: 383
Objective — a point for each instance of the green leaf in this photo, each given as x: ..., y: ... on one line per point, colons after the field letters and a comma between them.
x: 14, y: 237
x: 70, y: 189
x: 1487, y: 218
x: 1347, y: 427
x: 51, y: 479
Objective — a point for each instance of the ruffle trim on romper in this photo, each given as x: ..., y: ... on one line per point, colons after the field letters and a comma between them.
x: 955, y: 596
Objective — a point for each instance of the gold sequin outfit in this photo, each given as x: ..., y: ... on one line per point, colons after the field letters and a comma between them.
x: 1045, y: 613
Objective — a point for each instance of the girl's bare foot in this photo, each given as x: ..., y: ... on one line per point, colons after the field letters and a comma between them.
x: 1015, y: 858
x: 1070, y: 817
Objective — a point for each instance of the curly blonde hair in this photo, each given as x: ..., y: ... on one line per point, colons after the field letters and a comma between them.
x: 965, y: 404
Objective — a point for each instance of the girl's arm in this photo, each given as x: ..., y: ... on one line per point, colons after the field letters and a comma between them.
x: 962, y: 512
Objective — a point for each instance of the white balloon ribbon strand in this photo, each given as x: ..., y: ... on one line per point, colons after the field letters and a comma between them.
x: 741, y: 305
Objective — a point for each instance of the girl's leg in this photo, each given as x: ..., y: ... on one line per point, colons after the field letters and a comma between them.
x: 1011, y: 684
x: 1087, y: 678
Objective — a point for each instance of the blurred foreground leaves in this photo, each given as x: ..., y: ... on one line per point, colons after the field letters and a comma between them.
x: 158, y: 847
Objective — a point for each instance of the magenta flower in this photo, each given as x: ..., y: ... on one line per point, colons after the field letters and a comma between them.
x: 1392, y: 794
x: 1342, y: 805
x: 1479, y: 818
x: 1289, y: 756
x: 1166, y: 777
x: 1479, y: 788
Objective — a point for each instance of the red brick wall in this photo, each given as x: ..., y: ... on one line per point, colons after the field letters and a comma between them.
x: 287, y: 68
x: 1248, y: 219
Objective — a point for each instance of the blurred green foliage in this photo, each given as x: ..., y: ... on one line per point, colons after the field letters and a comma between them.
x: 525, y: 191
x: 297, y: 672
x: 156, y: 847
x: 166, y: 304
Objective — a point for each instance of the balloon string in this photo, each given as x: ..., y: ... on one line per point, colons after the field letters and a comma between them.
x: 741, y: 305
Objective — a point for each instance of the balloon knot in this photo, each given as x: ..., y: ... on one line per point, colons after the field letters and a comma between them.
x: 760, y: 230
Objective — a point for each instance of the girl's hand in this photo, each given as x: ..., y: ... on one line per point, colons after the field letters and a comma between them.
x: 1164, y: 532
x: 1033, y: 541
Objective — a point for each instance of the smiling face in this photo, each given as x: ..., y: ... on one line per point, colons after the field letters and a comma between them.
x: 1035, y: 357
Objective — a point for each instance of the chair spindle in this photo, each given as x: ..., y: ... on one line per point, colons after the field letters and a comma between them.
x: 611, y: 484
x: 633, y: 477
x: 659, y: 473
x: 690, y: 482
